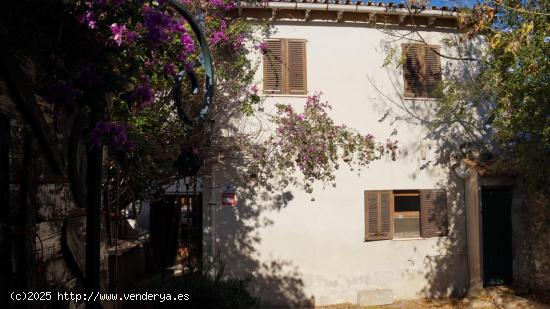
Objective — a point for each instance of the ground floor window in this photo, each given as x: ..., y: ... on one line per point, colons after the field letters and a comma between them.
x: 406, y: 216
x: 405, y: 213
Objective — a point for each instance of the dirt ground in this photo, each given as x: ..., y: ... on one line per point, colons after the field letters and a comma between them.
x: 492, y: 298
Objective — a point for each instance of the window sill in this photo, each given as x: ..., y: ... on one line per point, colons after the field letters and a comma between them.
x: 415, y: 238
x: 409, y: 238
x: 420, y: 99
x: 267, y: 95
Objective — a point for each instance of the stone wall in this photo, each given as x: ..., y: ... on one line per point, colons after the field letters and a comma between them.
x: 532, y: 242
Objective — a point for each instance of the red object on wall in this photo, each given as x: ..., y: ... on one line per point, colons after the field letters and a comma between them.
x: 229, y: 199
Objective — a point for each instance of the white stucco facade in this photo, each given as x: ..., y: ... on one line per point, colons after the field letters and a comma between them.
x: 314, y: 252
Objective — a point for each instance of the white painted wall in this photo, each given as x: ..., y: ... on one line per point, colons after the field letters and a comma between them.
x: 316, y: 249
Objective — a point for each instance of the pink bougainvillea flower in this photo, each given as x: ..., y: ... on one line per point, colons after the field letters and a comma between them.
x: 218, y: 36
x: 88, y: 19
x: 113, y: 134
x: 131, y: 36
x: 254, y: 89
x: 143, y: 95
x: 221, y: 4
x: 313, y: 144
x: 239, y: 42
x: 187, y: 43
x: 262, y: 47
x: 119, y: 32
x: 159, y: 25
x: 170, y: 69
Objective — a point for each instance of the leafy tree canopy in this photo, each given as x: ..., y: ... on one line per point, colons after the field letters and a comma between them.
x: 514, y: 82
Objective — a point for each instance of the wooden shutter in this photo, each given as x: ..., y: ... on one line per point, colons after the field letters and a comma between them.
x: 274, y: 67
x: 412, y: 70
x: 378, y: 215
x: 296, y: 51
x: 433, y: 213
x: 432, y: 70
x: 421, y: 70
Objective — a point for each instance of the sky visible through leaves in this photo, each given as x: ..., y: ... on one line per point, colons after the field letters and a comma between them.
x: 448, y: 3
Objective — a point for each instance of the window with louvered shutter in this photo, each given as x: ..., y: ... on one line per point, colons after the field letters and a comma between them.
x: 412, y: 70
x: 296, y: 51
x: 432, y: 70
x: 433, y: 217
x: 274, y: 67
x: 421, y: 70
x: 378, y: 215
x: 284, y: 65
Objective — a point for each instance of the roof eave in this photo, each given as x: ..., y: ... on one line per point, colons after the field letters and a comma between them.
x: 398, y: 12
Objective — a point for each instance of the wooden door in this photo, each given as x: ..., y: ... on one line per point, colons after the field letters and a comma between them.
x: 496, y: 205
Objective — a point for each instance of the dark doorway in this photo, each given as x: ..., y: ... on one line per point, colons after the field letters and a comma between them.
x: 176, y: 231
x: 496, y: 205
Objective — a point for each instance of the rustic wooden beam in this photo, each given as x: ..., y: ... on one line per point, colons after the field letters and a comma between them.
x: 273, y: 14
x: 93, y: 209
x: 28, y: 188
x: 8, y: 107
x: 5, y: 247
x: 307, y: 15
x: 372, y: 18
x: 401, y: 19
x: 76, y: 158
x: 23, y: 95
x: 25, y: 218
x: 339, y: 15
x: 431, y: 21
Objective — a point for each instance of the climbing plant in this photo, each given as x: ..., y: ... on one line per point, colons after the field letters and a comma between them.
x: 124, y: 55
x: 312, y: 145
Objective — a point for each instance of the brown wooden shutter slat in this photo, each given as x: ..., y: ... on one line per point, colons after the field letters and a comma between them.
x: 378, y: 215
x: 432, y: 70
x: 274, y: 67
x: 385, y: 212
x: 421, y: 70
x: 412, y: 70
x: 433, y: 213
x: 296, y: 51
x: 371, y: 211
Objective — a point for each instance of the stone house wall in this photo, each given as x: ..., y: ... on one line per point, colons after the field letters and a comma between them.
x: 531, y: 238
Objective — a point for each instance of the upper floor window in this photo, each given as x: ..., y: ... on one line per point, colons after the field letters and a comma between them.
x: 421, y: 70
x: 405, y: 213
x: 284, y: 67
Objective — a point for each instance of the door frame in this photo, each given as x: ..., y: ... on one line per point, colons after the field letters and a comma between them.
x: 474, y: 225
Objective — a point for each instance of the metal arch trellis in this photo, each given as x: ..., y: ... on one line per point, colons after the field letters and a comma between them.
x: 207, y: 63
x: 188, y: 120
x: 188, y: 162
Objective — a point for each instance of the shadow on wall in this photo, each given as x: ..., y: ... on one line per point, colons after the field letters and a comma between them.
x: 448, y: 141
x: 276, y: 282
x: 452, y: 262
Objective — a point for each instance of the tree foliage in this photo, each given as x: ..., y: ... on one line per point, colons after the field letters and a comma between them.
x: 512, y: 84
